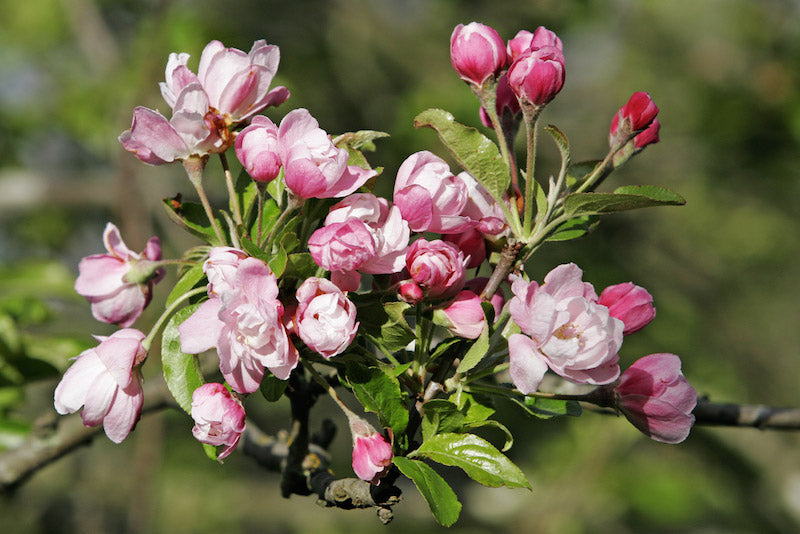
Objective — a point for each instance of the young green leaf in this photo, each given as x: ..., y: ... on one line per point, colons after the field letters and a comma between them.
x: 476, y: 154
x: 477, y: 457
x: 272, y: 387
x: 186, y: 283
x: 476, y: 352
x: 548, y: 408
x: 623, y: 199
x: 379, y: 393
x: 437, y: 493
x: 181, y: 370
x: 193, y: 217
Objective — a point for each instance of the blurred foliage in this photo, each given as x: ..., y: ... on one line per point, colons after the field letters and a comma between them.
x: 723, y: 268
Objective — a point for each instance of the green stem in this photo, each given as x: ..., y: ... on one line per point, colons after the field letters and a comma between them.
x: 194, y: 168
x: 237, y: 212
x: 531, y: 185
x: 292, y: 205
x: 167, y: 313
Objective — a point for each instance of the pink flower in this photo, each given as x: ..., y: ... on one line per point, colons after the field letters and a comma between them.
x: 258, y: 149
x: 245, y: 324
x: 482, y: 209
x: 221, y: 267
x: 325, y: 319
x: 632, y: 118
x: 429, y: 197
x: 656, y: 398
x: 525, y: 41
x: 119, y: 284
x: 477, y: 52
x: 372, y: 453
x: 189, y: 133
x: 472, y: 244
x: 313, y: 166
x: 436, y: 266
x: 219, y: 418
x: 630, y: 303
x: 342, y: 246
x: 106, y: 381
x: 537, y: 76
x: 648, y: 136
x: 463, y: 316
x: 477, y: 285
x: 237, y: 84
x: 564, y: 329
x: 390, y: 233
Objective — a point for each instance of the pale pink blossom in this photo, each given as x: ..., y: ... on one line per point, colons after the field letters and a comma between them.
x: 563, y: 329
x: 245, y: 324
x: 106, y: 381
x: 119, y: 284
x: 221, y: 267
x: 219, y: 418
x: 238, y: 84
x: 525, y: 41
x: 390, y: 232
x: 313, y: 166
x: 630, y: 303
x: 655, y: 396
x: 258, y: 149
x: 342, y: 246
x: 372, y: 453
x: 437, y: 267
x: 429, y: 196
x: 325, y: 319
x: 537, y: 75
x: 477, y: 52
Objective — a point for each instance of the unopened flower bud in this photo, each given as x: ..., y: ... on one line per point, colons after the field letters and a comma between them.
x: 477, y: 52
x: 537, y: 76
x: 629, y: 303
x: 372, y: 453
x: 634, y: 117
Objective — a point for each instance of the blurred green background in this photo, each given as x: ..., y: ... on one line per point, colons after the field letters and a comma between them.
x: 723, y: 269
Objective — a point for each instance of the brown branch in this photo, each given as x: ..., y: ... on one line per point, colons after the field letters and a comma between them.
x: 56, y: 436
x: 507, y: 260
x: 709, y: 413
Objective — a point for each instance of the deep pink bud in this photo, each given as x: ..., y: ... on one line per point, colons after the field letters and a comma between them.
x: 219, y: 418
x: 410, y: 292
x: 437, y: 266
x: 506, y: 100
x: 630, y: 303
x: 537, y: 76
x: 472, y: 244
x: 372, y: 453
x: 477, y: 52
x: 525, y: 41
x: 258, y: 149
x: 656, y: 398
x: 648, y: 137
x: 633, y: 117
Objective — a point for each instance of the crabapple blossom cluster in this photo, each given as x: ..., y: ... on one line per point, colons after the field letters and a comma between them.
x: 306, y: 277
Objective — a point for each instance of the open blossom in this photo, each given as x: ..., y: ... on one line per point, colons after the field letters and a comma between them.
x: 537, y: 76
x: 106, y: 381
x: 325, y: 319
x: 221, y: 267
x: 258, y: 149
x: 119, y: 284
x: 342, y: 246
x: 630, y: 303
x: 219, y: 418
x: 313, y: 166
x: 656, y: 398
x: 245, y: 323
x: 372, y: 453
x: 634, y: 117
x: 477, y: 52
x: 429, y: 196
x: 436, y: 266
x: 564, y: 329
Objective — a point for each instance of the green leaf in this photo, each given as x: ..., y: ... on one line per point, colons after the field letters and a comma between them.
x: 577, y: 172
x: 623, y: 199
x: 272, y: 387
x: 474, y: 151
x: 379, y: 393
x: 186, y: 283
x: 573, y: 228
x: 476, y: 352
x: 360, y: 140
x: 477, y: 457
x: 300, y: 265
x: 437, y: 493
x: 549, y: 408
x: 193, y: 217
x: 181, y: 370
x: 245, y: 194
x: 383, y: 321
x: 441, y: 416
x: 211, y: 452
